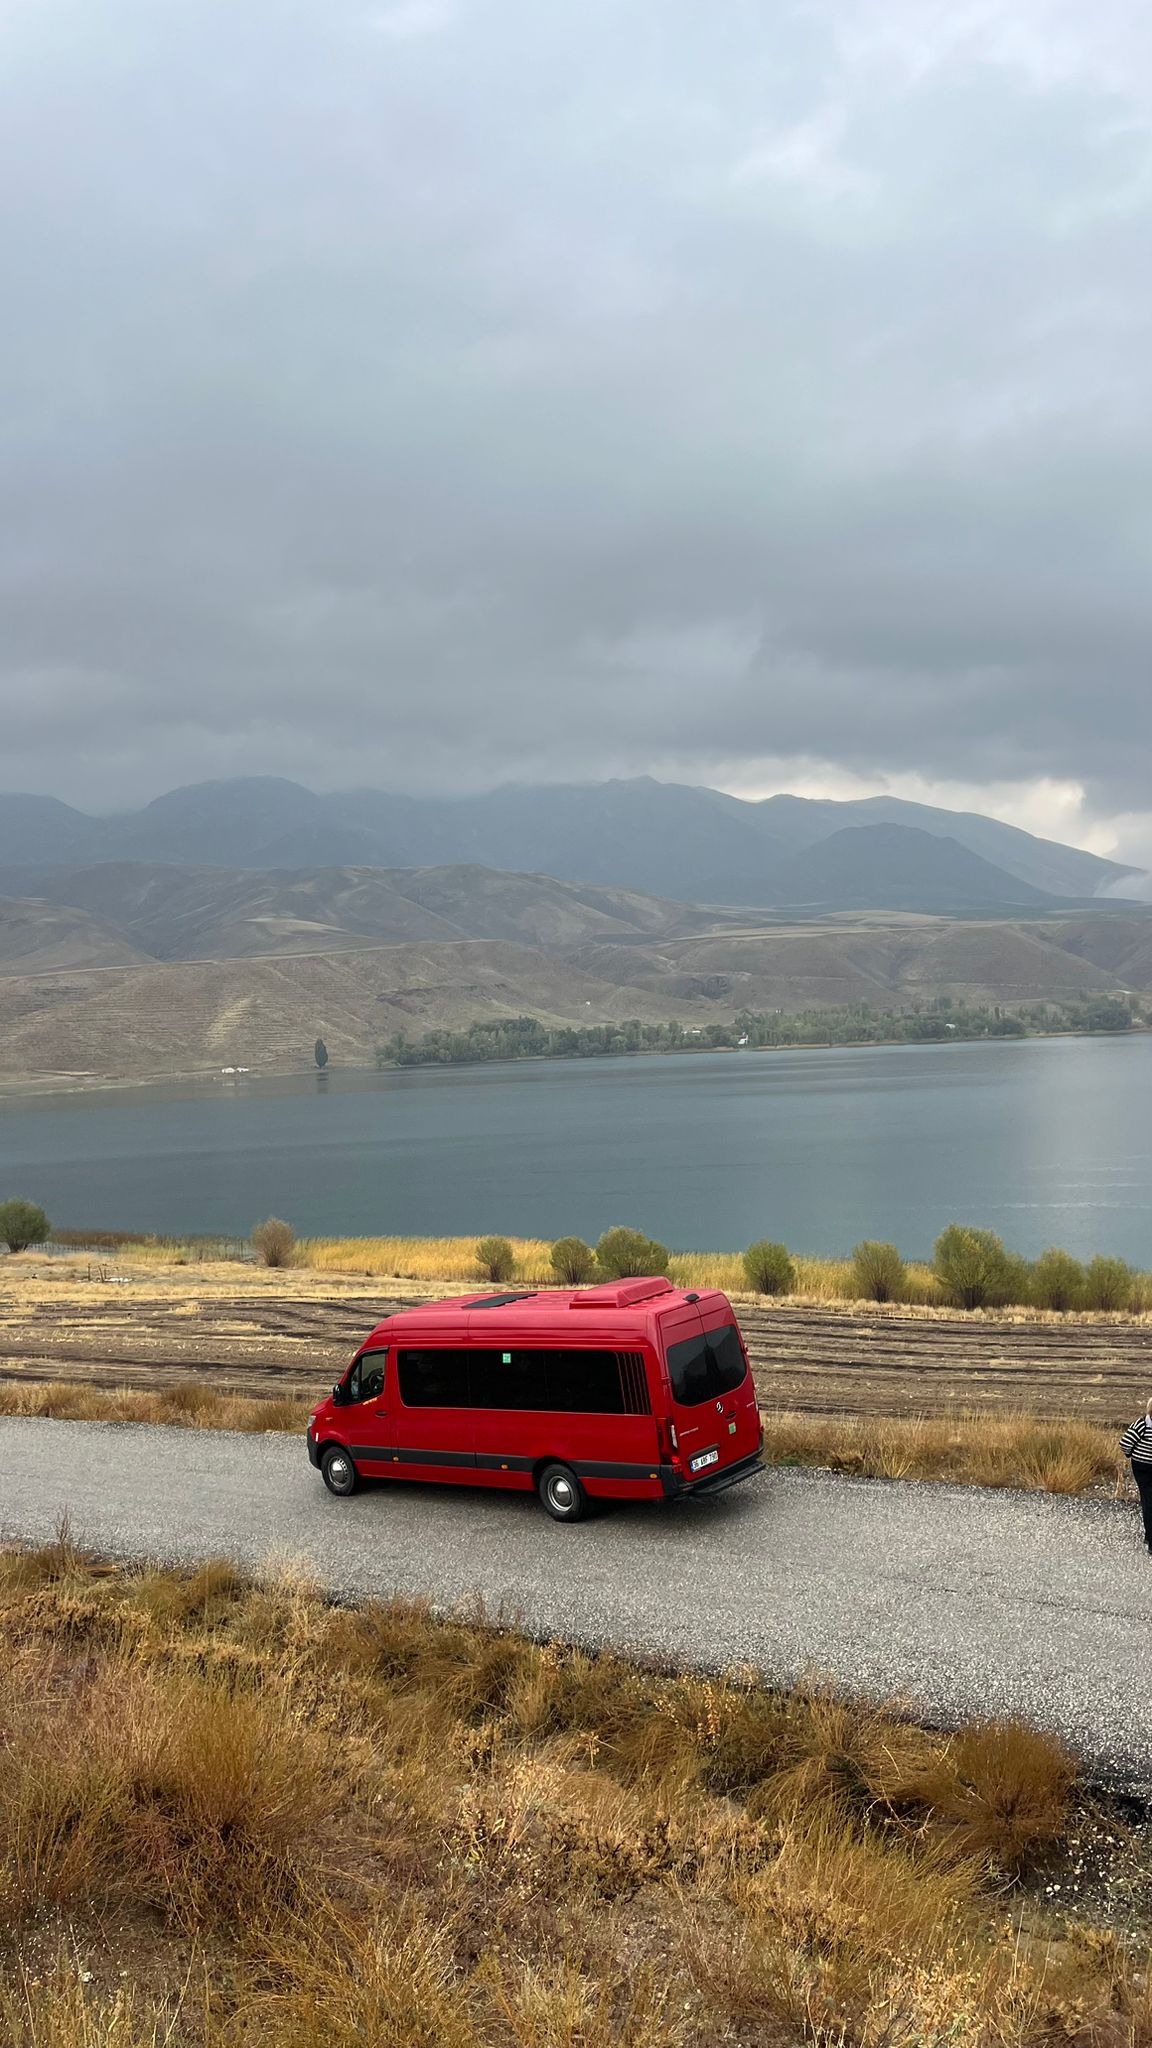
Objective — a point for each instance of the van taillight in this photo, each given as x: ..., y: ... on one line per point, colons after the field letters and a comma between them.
x: 668, y: 1440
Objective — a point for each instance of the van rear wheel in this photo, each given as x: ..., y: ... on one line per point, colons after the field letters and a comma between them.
x: 338, y: 1471
x: 561, y: 1494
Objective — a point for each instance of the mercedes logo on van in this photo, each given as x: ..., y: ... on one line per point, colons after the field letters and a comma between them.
x: 719, y: 1407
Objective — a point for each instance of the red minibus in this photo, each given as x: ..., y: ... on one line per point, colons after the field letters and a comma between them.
x: 634, y: 1391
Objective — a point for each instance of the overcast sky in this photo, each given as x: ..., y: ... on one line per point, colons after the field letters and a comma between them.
x: 446, y: 392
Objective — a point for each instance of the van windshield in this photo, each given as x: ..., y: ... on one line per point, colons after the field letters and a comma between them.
x: 702, y: 1368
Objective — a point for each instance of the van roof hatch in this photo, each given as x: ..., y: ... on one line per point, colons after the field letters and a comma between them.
x: 622, y: 1293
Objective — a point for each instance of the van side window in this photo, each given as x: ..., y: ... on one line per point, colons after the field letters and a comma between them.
x: 372, y: 1366
x: 366, y: 1379
x: 509, y: 1379
x: 585, y: 1382
x: 434, y: 1379
x: 560, y: 1381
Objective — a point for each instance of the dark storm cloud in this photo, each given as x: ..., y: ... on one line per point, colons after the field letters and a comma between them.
x: 461, y: 389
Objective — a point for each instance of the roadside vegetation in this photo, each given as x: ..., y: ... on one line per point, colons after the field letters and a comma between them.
x: 1026, y: 1451
x: 234, y: 1816
x: 932, y: 1022
x: 971, y: 1268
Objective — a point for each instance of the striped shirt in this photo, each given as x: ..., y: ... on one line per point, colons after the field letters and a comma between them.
x: 1136, y: 1443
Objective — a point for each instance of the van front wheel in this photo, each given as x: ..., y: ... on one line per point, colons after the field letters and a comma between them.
x: 562, y: 1494
x: 339, y: 1473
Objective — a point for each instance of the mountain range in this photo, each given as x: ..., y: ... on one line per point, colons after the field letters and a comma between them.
x: 231, y: 923
x: 692, y: 845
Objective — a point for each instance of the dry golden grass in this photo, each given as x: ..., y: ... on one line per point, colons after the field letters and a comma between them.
x: 449, y: 1263
x: 420, y: 1258
x: 232, y: 1816
x: 190, y: 1404
x: 1059, y: 1456
x: 453, y: 1259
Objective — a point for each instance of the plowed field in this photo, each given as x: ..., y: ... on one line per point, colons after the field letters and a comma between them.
x: 252, y: 1333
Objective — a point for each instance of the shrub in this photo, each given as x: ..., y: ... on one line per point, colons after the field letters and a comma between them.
x: 21, y: 1224
x: 973, y: 1267
x: 1015, y: 1279
x: 878, y: 1272
x: 1057, y: 1280
x: 495, y: 1258
x: 768, y: 1269
x: 1003, y: 1789
x: 275, y: 1241
x: 1109, y: 1283
x: 572, y: 1261
x: 623, y: 1254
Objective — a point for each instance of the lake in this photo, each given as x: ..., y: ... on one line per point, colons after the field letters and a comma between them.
x: 1044, y: 1140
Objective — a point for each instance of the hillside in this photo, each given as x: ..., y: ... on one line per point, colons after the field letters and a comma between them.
x: 897, y: 867
x: 669, y: 840
x: 177, y: 913
x: 136, y: 1022
x: 800, y: 822
x: 40, y: 936
x: 191, y: 1017
x: 1120, y: 947
x: 801, y: 967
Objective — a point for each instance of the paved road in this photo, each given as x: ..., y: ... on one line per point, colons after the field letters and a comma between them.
x: 960, y: 1601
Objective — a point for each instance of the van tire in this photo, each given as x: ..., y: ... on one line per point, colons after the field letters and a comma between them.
x: 561, y: 1494
x: 338, y: 1471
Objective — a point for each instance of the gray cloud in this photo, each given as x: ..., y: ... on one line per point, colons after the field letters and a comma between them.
x: 453, y: 390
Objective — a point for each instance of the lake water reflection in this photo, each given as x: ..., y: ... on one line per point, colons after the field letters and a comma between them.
x: 1045, y: 1140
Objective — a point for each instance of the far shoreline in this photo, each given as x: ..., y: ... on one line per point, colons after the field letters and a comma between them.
x: 21, y: 1089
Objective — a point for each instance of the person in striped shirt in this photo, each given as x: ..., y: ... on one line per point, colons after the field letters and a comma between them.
x: 1136, y: 1443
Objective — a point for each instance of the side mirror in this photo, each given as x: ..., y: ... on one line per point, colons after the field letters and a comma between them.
x: 338, y: 1393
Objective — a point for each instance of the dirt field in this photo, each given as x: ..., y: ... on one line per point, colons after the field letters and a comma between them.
x: 244, y: 1330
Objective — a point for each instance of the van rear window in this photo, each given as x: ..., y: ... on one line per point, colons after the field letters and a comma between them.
x: 704, y: 1367
x: 574, y: 1382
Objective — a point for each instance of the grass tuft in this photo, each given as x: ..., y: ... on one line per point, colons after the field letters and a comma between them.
x: 1059, y: 1456
x: 298, y: 1826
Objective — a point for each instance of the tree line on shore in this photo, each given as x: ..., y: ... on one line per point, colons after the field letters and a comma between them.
x: 935, y: 1022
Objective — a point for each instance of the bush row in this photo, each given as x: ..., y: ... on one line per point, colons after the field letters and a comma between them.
x: 972, y: 1268
x: 620, y: 1254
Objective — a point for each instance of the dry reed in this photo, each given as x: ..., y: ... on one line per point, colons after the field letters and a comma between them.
x: 453, y: 1260
x: 1059, y: 1456
x: 317, y: 1828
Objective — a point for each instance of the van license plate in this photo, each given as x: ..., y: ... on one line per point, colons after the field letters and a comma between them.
x: 705, y: 1458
